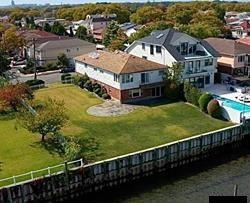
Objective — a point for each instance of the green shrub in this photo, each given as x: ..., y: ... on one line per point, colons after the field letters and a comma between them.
x: 89, y: 86
x: 97, y: 90
x: 192, y: 94
x: 80, y: 80
x: 214, y: 109
x: 174, y: 91
x: 204, y: 100
x: 105, y: 96
x: 66, y: 78
x: 34, y: 82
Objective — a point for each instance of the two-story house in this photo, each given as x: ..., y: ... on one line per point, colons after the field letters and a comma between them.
x: 126, y: 77
x: 48, y: 51
x: 235, y: 58
x: 170, y: 46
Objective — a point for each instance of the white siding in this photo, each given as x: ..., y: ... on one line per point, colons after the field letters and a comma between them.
x: 108, y: 77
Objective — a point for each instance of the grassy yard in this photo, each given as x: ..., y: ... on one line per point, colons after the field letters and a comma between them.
x: 21, y: 151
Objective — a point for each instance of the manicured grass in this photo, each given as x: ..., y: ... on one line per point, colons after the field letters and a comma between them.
x: 20, y: 151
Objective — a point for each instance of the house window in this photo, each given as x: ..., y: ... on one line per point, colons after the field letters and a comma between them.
x: 241, y: 59
x: 143, y: 46
x: 144, y: 57
x: 158, y: 49
x: 135, y: 93
x: 85, y: 65
x: 144, y: 78
x: 208, y: 62
x: 207, y: 80
x: 152, y: 49
x: 198, y: 66
x: 191, y: 66
x: 127, y: 78
x: 161, y: 72
x: 95, y: 69
x: 184, y: 48
x: 77, y: 49
x: 68, y: 50
x: 116, y: 77
x: 101, y: 71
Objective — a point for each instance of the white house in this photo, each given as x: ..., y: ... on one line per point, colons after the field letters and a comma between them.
x: 130, y: 28
x: 125, y: 77
x: 171, y: 46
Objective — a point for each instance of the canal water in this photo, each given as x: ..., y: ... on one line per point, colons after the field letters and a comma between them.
x: 216, y: 176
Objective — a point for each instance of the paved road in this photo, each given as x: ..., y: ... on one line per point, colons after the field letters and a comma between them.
x: 48, y: 78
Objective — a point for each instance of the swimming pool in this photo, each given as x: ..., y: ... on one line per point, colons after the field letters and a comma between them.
x: 233, y: 104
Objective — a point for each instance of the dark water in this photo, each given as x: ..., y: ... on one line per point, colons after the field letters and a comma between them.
x: 194, y: 183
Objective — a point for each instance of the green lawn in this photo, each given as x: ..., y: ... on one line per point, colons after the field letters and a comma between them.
x: 146, y: 127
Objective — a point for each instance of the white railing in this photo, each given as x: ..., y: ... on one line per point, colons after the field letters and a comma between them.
x: 52, y: 170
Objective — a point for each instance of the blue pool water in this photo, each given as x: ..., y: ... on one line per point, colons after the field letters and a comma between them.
x: 233, y: 104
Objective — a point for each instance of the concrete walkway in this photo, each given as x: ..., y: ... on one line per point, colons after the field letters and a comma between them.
x: 111, y: 108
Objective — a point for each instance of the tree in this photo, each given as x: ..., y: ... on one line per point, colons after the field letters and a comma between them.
x: 58, y: 29
x: 173, y: 81
x: 118, y: 43
x: 111, y: 33
x: 147, y: 14
x: 11, y: 42
x: 62, y: 60
x: 81, y: 33
x: 4, y: 63
x: 12, y: 95
x: 204, y: 100
x: 50, y: 117
x: 47, y: 27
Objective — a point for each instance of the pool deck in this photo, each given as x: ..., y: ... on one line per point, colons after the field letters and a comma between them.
x: 222, y: 91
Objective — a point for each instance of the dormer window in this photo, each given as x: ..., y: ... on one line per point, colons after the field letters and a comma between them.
x: 152, y: 49
x: 143, y: 46
x: 158, y: 49
x: 184, y: 48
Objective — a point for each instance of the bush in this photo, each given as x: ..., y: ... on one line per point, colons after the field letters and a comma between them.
x: 89, y: 86
x: 204, y: 100
x: 105, y: 96
x: 174, y: 91
x: 214, y: 109
x: 80, y: 80
x: 97, y: 90
x: 66, y: 78
x: 192, y: 94
x: 34, y: 82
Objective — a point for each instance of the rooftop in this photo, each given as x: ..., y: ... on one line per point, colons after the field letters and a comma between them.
x: 66, y: 43
x: 118, y: 62
x: 167, y: 37
x: 245, y: 40
x: 228, y: 46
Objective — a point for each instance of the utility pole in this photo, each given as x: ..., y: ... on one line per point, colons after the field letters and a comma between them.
x: 34, y: 52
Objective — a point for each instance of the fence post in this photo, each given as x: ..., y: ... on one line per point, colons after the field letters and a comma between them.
x: 81, y: 162
x: 49, y: 171
x: 14, y: 180
x: 32, y: 175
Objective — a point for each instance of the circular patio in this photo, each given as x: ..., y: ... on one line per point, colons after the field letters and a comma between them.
x: 111, y: 108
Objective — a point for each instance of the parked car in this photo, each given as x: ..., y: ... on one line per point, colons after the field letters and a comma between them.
x: 68, y: 70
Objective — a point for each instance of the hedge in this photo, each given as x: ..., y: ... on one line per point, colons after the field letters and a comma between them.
x: 192, y: 94
x: 204, y: 100
x: 34, y: 82
x: 214, y: 109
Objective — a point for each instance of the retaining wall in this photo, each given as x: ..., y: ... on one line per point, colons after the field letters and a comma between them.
x: 113, y: 172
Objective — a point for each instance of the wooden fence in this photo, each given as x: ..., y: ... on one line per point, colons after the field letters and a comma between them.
x: 72, y: 183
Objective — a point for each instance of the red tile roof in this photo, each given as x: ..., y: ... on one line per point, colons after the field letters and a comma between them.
x: 36, y: 34
x: 245, y: 40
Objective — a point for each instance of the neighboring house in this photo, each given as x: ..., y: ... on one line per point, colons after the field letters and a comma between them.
x: 39, y: 36
x: 125, y: 77
x: 235, y: 58
x: 171, y: 46
x: 245, y: 40
x: 51, y: 21
x: 48, y: 52
x: 130, y: 28
x: 238, y: 23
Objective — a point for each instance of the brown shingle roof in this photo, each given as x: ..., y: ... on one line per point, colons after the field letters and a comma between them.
x: 119, y: 62
x: 228, y: 46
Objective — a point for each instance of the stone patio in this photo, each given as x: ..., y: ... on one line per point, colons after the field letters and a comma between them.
x: 111, y: 108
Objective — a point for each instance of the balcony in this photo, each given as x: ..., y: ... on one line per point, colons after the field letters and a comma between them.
x: 189, y: 72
